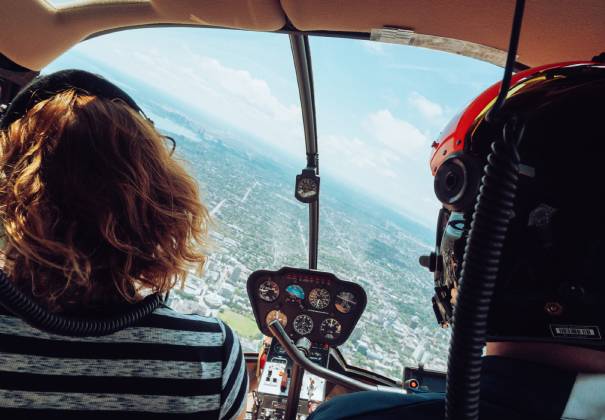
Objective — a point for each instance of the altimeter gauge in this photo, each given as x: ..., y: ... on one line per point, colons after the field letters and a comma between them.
x: 275, y: 314
x: 303, y: 324
x: 345, y: 301
x: 268, y: 291
x: 330, y: 328
x: 319, y: 298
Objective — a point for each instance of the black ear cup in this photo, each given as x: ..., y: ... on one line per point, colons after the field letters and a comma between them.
x: 457, y: 182
x: 44, y: 87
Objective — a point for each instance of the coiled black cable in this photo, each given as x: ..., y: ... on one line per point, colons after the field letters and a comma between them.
x: 22, y: 306
x: 482, y: 256
x: 483, y: 252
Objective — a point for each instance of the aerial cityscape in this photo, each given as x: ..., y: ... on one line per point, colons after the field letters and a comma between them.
x: 258, y: 224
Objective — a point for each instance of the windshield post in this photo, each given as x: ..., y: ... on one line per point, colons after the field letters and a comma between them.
x: 301, y: 54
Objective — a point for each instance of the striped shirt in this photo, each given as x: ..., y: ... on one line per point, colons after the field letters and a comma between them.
x: 169, y: 365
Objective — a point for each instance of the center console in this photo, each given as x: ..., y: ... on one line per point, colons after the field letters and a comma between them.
x: 270, y: 399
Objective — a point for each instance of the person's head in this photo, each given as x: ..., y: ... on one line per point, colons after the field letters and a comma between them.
x: 550, y: 285
x: 93, y: 207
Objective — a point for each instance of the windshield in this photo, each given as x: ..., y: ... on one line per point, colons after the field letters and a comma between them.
x: 379, y: 108
x: 230, y: 100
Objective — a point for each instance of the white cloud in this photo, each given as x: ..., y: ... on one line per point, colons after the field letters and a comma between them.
x: 397, y: 135
x: 384, y: 142
x: 385, y: 156
x: 252, y: 95
x: 429, y: 109
x: 233, y: 95
x: 386, y: 159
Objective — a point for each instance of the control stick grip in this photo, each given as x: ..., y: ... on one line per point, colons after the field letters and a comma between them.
x: 300, y: 359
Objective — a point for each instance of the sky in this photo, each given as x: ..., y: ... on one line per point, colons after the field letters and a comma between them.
x: 379, y: 106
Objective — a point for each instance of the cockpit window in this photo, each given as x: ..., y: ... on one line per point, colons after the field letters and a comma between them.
x: 379, y: 108
x: 230, y: 101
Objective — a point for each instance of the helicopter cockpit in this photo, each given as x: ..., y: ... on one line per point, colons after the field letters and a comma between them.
x: 327, y: 299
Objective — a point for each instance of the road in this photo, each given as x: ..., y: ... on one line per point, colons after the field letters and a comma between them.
x: 245, y: 197
x: 216, y: 208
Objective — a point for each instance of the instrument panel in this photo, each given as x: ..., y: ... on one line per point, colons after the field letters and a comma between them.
x: 308, y: 303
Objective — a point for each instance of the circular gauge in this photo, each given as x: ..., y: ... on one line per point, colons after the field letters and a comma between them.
x: 345, y: 301
x: 303, y: 324
x: 330, y: 328
x: 307, y: 187
x: 276, y: 314
x: 295, y: 291
x: 268, y: 291
x: 319, y: 298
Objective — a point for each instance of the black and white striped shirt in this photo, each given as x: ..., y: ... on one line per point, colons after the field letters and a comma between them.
x: 169, y: 365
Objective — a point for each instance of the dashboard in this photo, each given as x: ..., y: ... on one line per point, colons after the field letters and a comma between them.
x: 308, y: 303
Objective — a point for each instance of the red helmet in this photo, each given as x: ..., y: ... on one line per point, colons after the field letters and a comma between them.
x: 549, y: 280
x: 457, y: 175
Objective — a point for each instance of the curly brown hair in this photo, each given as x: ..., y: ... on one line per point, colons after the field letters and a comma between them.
x: 94, y: 209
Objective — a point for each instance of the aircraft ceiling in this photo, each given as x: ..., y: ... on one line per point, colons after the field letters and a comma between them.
x: 34, y: 32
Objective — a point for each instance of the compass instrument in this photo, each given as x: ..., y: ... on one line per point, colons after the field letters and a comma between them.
x: 307, y: 186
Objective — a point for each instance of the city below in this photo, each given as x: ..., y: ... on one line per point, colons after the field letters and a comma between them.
x: 258, y: 224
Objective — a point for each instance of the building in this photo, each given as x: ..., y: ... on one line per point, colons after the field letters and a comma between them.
x: 234, y: 279
x: 213, y: 300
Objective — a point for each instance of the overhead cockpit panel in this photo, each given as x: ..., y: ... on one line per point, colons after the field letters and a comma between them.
x: 34, y: 32
x: 552, y: 31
